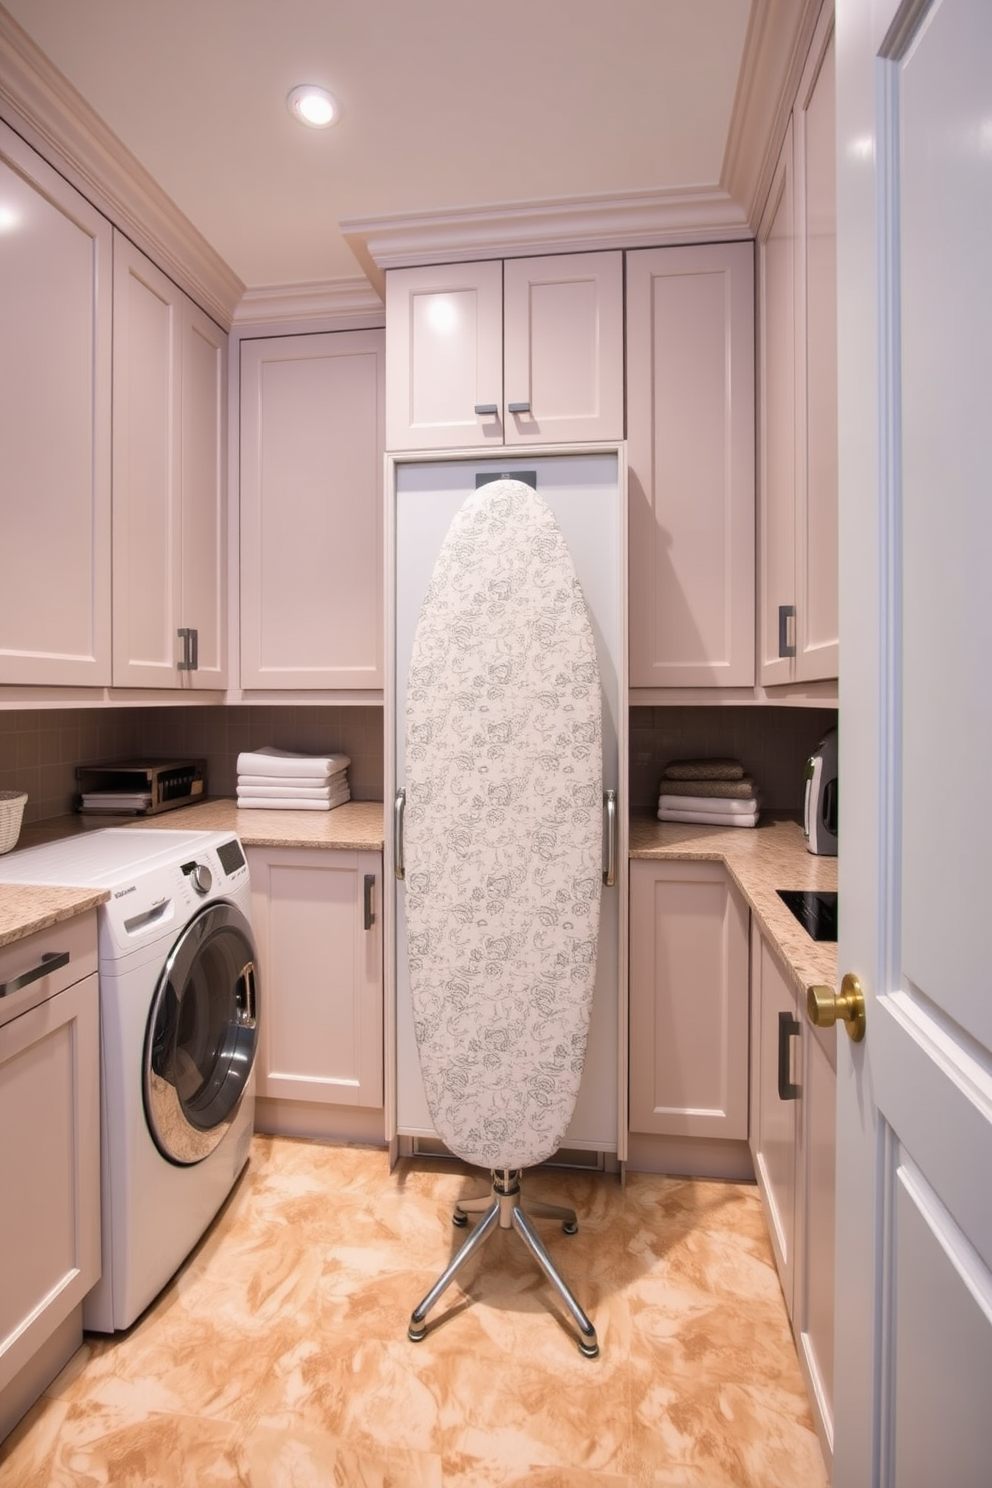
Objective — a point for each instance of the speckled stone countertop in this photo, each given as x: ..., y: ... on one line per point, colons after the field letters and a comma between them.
x: 760, y: 860
x: 25, y: 908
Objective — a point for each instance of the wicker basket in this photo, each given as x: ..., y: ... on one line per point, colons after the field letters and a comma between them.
x: 12, y: 805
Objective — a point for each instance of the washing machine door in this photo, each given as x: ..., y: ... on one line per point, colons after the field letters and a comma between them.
x: 202, y: 1033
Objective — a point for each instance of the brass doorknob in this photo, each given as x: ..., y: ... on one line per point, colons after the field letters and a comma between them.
x: 824, y: 1006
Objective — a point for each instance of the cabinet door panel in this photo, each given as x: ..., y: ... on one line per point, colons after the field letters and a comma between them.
x: 690, y: 394
x: 49, y: 1168
x: 56, y: 335
x: 311, y: 511
x: 148, y: 310
x: 817, y: 646
x: 204, y: 493
x: 563, y: 337
x: 774, y: 1129
x: 779, y: 475
x: 688, y: 1002
x: 321, y: 967
x: 444, y: 355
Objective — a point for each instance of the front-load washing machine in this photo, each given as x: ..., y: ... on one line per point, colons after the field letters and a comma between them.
x: 178, y: 1029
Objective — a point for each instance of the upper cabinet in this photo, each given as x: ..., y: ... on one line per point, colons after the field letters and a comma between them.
x: 797, y: 344
x: 690, y: 432
x: 526, y: 351
x: 311, y: 511
x: 55, y: 331
x: 170, y: 426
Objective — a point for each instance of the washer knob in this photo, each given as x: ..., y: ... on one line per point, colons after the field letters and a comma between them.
x: 201, y: 878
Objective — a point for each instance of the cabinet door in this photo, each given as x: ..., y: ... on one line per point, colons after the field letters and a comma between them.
x: 813, y: 1318
x: 204, y: 494
x: 778, y: 415
x: 56, y: 336
x: 690, y: 428
x: 776, y: 1055
x: 148, y: 315
x: 563, y: 348
x: 311, y: 511
x: 49, y: 1170
x: 815, y: 114
x: 688, y: 1001
x: 318, y: 926
x: 444, y: 357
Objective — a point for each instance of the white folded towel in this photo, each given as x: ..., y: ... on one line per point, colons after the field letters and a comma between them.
x: 709, y: 818
x: 289, y: 792
x: 293, y: 782
x: 712, y: 805
x: 293, y: 803
x: 282, y: 762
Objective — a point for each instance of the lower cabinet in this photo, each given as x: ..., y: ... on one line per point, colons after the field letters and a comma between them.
x: 793, y: 1104
x: 688, y: 1017
x: 318, y: 927
x: 49, y: 1155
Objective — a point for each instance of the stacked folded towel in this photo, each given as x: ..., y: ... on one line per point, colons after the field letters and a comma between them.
x: 275, y: 779
x: 715, y: 792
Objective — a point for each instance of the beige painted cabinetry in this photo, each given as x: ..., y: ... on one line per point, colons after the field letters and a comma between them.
x: 170, y: 430
x: 793, y: 1104
x: 311, y: 511
x: 317, y: 920
x: 690, y: 430
x: 526, y: 351
x: 797, y: 348
x: 49, y: 1155
x: 688, y: 1006
x: 56, y: 340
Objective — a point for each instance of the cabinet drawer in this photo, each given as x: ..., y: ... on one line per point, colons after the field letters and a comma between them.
x: 69, y: 948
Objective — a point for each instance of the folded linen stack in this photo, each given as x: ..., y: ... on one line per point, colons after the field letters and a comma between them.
x: 275, y: 779
x: 715, y: 792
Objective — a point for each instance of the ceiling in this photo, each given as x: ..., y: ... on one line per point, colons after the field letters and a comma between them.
x: 448, y: 106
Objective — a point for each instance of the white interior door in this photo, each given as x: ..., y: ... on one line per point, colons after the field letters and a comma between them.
x: 914, y: 1196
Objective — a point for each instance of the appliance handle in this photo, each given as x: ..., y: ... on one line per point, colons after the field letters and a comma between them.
x: 788, y: 1027
x: 398, y: 804
x: 247, y: 999
x: 610, y: 871
x: 50, y: 961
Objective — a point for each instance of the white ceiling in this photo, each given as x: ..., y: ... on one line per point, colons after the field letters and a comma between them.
x: 446, y: 104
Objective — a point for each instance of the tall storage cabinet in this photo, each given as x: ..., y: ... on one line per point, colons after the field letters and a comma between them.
x: 56, y: 339
x: 797, y: 340
x: 690, y: 430
x: 311, y: 511
x: 529, y: 351
x: 170, y: 422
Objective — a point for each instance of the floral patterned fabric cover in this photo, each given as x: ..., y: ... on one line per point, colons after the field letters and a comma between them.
x: 503, y: 830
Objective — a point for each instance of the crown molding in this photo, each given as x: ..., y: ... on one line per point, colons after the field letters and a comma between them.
x: 778, y: 39
x: 42, y: 106
x: 564, y: 225
x: 337, y: 304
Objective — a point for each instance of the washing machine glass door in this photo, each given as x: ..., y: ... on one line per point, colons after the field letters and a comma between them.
x: 202, y: 1033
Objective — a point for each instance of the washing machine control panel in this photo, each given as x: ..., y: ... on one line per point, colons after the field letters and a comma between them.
x: 199, y: 876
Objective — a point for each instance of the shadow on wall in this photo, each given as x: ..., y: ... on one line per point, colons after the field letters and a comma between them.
x: 40, y: 748
x: 771, y: 743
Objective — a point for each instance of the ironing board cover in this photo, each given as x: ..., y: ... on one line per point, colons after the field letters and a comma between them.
x: 503, y: 830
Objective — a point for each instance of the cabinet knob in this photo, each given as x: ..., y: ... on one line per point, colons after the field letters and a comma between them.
x: 824, y: 1007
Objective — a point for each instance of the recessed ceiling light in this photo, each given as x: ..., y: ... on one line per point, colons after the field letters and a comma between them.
x: 313, y: 106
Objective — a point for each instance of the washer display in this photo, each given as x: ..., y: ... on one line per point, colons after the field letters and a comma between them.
x: 179, y: 1001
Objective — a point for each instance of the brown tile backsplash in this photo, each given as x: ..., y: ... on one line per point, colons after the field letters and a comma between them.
x: 40, y: 748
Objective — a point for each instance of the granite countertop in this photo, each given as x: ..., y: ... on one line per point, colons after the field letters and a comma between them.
x: 759, y: 860
x: 26, y: 908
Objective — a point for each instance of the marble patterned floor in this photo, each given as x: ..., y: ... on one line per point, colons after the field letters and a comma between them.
x: 278, y: 1356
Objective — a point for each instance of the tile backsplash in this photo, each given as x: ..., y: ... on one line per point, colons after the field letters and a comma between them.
x: 772, y: 743
x: 40, y: 748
